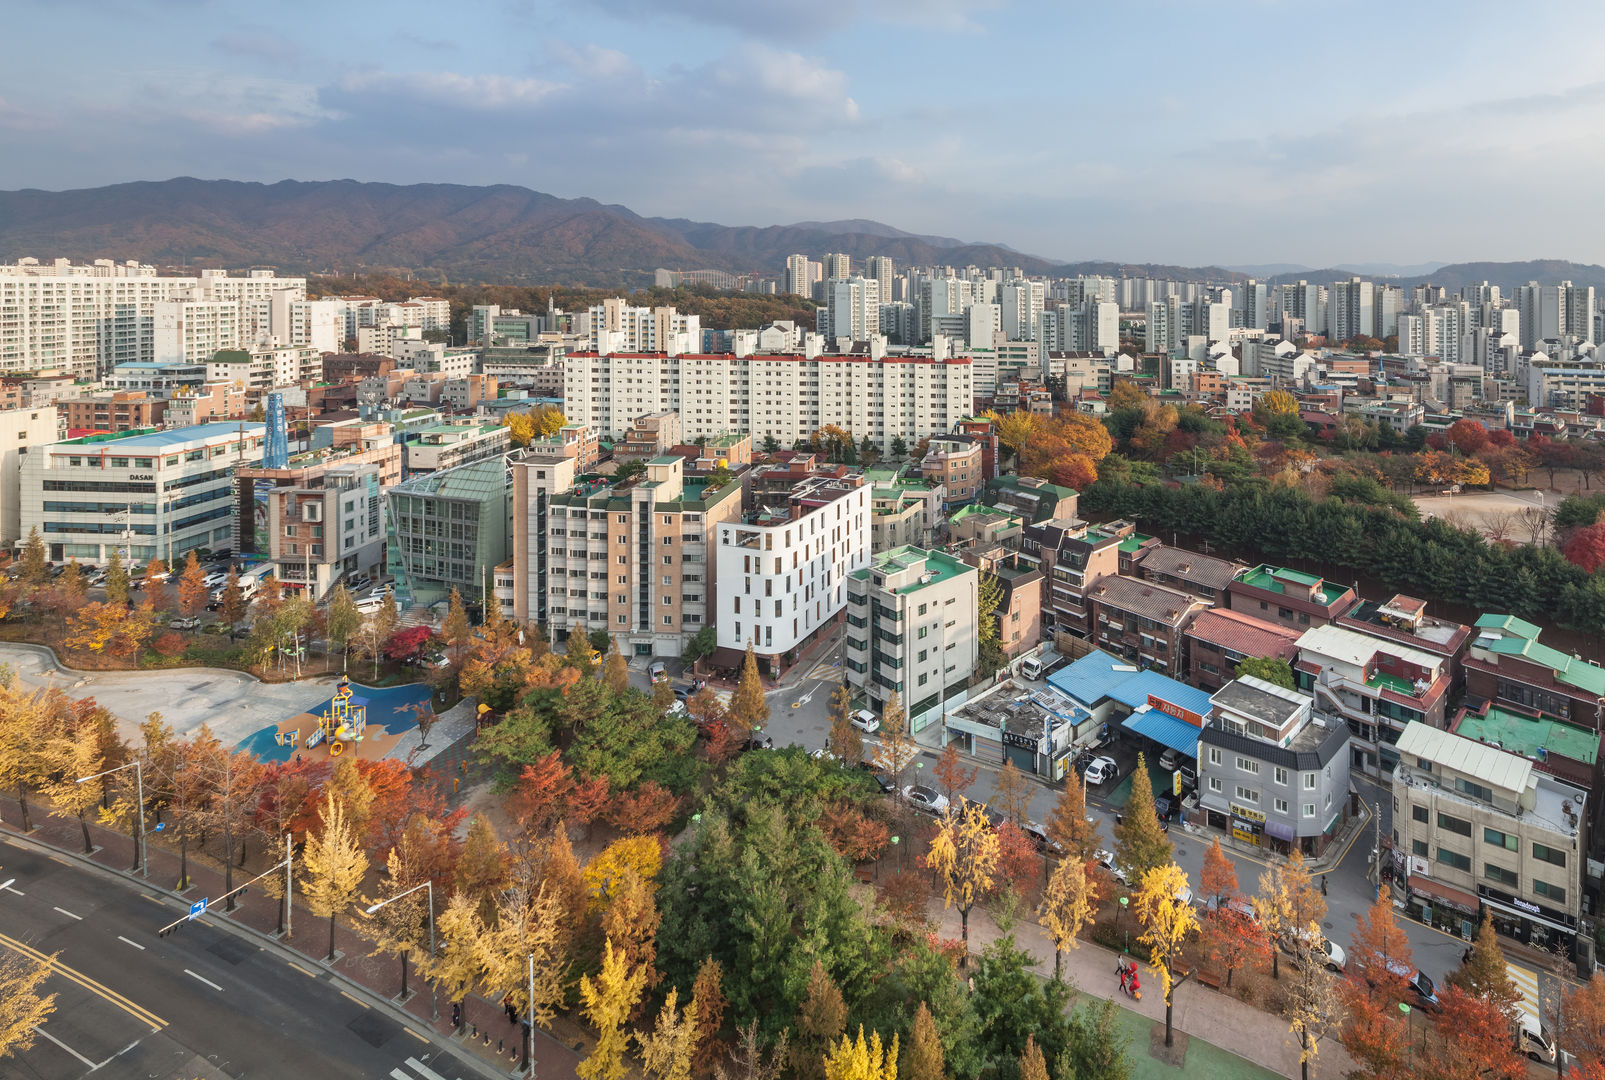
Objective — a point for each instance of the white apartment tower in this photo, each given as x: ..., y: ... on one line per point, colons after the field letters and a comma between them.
x: 799, y: 278
x: 837, y: 266
x: 852, y: 309
x: 881, y: 269
x: 1349, y: 310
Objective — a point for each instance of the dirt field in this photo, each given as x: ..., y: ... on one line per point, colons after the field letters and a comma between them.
x: 1496, y: 514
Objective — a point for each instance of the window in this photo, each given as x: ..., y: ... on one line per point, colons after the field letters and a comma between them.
x: 668, y: 620
x: 1553, y: 892
x: 1418, y: 847
x: 1214, y: 783
x: 624, y: 618
x: 1549, y: 855
x: 1281, y: 806
x: 1309, y: 781
x: 1248, y: 795
x: 1501, y: 839
x: 1214, y: 755
x: 1454, y: 824
x: 1454, y: 859
x: 1421, y: 814
x: 1473, y: 789
x: 1508, y: 878
x: 1279, y: 774
x: 1309, y: 809
x: 1248, y: 765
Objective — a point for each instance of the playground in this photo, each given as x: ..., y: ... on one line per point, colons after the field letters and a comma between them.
x: 368, y: 722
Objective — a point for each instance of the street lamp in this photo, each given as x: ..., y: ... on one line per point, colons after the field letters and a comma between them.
x: 141, y: 859
x: 430, y: 886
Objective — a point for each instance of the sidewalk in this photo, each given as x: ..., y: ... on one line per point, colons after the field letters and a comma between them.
x: 1203, y: 1014
x: 486, y: 1036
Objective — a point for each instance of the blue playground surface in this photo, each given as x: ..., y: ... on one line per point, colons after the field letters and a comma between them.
x: 388, y: 708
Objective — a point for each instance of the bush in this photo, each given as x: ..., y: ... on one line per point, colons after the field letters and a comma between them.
x: 207, y: 655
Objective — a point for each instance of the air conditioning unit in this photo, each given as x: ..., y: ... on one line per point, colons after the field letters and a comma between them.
x: 1403, y: 774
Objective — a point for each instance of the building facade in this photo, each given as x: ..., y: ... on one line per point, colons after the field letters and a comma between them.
x: 22, y: 431
x: 1143, y: 622
x: 446, y: 530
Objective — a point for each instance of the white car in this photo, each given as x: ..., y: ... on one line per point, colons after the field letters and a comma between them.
x: 212, y: 581
x: 1106, y: 859
x: 1170, y: 759
x: 1101, y: 771
x: 866, y: 721
x: 925, y: 798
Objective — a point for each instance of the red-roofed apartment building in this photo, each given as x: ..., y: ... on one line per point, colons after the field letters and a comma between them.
x: 1218, y: 640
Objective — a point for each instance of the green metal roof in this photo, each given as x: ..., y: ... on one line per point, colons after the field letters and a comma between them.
x: 944, y: 566
x: 1270, y: 579
x: 1520, y: 638
x: 475, y: 480
x: 1528, y: 735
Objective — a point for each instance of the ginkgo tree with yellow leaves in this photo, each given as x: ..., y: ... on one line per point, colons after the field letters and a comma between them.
x: 964, y: 853
x: 856, y: 1059
x: 1068, y: 904
x: 1168, y: 923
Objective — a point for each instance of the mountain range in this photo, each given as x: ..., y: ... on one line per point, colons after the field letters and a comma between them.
x: 513, y: 235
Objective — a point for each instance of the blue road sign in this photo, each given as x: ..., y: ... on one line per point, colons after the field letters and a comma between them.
x: 160, y: 825
x: 197, y: 907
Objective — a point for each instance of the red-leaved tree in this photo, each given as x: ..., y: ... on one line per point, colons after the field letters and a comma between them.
x: 1586, y: 548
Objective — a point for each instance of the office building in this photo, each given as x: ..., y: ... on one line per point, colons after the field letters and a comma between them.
x: 782, y: 570
x: 445, y: 530
x: 21, y: 431
x: 145, y: 493
x: 911, y: 631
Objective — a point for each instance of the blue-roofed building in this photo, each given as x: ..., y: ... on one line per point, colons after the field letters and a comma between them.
x: 143, y: 492
x: 1147, y: 703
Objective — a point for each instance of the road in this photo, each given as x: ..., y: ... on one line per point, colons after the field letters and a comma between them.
x: 202, y: 1002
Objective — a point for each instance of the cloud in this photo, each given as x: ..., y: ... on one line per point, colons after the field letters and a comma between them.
x: 587, y: 60
x: 770, y: 20
x: 15, y: 118
x: 258, y: 43
x: 474, y: 93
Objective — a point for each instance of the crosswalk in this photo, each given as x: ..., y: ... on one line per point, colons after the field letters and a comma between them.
x: 420, y: 1071
x: 1526, y: 981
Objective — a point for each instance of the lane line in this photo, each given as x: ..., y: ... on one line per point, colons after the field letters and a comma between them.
x: 415, y: 1035
x: 152, y: 899
x: 397, y: 1074
x: 359, y: 1001
x: 58, y: 858
x: 19, y: 892
x: 202, y: 978
x: 135, y: 944
x: 423, y: 1070
x: 64, y: 1046
x: 304, y: 971
x: 117, y: 1055
x: 69, y: 914
x: 98, y: 989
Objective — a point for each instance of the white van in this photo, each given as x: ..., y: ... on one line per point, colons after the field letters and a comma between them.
x: 370, y: 604
x: 1533, y: 1041
x: 1031, y: 668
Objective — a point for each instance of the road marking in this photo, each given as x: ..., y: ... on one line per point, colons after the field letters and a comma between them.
x: 359, y: 1001
x: 58, y: 858
x: 19, y: 892
x: 16, y: 845
x: 115, y: 1056
x: 415, y: 1035
x: 64, y: 1046
x: 423, y: 1070
x: 135, y: 944
x: 203, y: 979
x: 302, y: 970
x: 139, y: 1012
x: 152, y: 899
x: 69, y: 914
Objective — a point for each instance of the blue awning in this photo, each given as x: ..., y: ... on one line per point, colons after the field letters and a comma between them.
x: 1165, y: 730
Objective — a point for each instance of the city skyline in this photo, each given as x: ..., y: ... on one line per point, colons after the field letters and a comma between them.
x: 1331, y: 144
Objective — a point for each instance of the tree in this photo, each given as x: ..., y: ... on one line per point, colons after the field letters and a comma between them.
x: 820, y: 1023
x: 116, y: 579
x: 1273, y: 669
x: 34, y: 566
x: 73, y: 754
x: 28, y: 725
x: 72, y: 586
x: 964, y: 855
x: 899, y: 448
x: 843, y: 742
x: 375, y: 632
x: 702, y: 643
x: 951, y: 774
x: 609, y: 1000
x: 646, y: 809
x: 896, y: 751
x: 666, y: 1054
x: 234, y: 601
x: 1140, y: 844
x: 1097, y: 1047
x: 1586, y: 547
x: 1068, y: 904
x: 1311, y: 1006
x: 1582, y: 1020
x: 707, y: 998
x: 22, y: 1008
x: 192, y: 591
x: 1017, y: 429
x: 749, y: 710
x: 1068, y: 824
x: 1032, y: 1064
x: 235, y: 779
x: 399, y: 925
x: 334, y: 865
x: 341, y: 621
x: 1013, y: 796
x: 1484, y: 974
x: 1167, y: 925
x: 922, y: 1056
x: 1010, y: 1003
x: 156, y: 574
x: 857, y: 1060
x: 1381, y: 950
x: 616, y: 670
x: 1467, y: 436
x: 482, y: 866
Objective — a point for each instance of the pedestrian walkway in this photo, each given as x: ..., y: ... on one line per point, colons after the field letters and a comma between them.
x: 485, y: 1031
x: 1209, y: 1018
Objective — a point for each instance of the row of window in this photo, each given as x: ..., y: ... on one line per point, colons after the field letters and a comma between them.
x: 1249, y: 765
x: 1462, y: 827
x: 1500, y: 875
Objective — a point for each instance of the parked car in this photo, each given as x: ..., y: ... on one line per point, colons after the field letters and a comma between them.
x: 1189, y: 779
x: 1162, y: 807
x: 191, y: 622
x: 356, y: 585
x: 1039, y: 837
x: 1170, y: 759
x: 681, y: 693
x: 370, y: 604
x: 924, y: 798
x: 866, y: 721
x: 214, y: 579
x: 1417, y: 980
x: 1102, y: 770
x: 657, y: 671
x: 1106, y: 859
x: 885, y: 781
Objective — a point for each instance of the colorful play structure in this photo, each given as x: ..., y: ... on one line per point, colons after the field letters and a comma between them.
x: 342, y: 721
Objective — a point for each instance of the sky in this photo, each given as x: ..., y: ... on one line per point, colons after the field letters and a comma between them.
x: 1177, y: 131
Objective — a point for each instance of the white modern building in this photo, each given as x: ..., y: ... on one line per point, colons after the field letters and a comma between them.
x: 263, y: 367
x: 852, y: 309
x: 616, y: 326
x: 163, y: 492
x: 911, y: 631
x: 21, y: 431
x: 783, y: 396
x: 782, y: 574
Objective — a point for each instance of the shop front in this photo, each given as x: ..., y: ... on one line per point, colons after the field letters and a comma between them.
x: 1535, y: 924
x: 1443, y: 907
x: 1022, y: 749
x: 1248, y: 825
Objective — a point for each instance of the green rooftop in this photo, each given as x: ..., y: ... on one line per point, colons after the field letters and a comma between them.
x: 1527, y: 735
x: 974, y: 510
x: 1271, y: 578
x: 1134, y: 542
x: 1506, y: 635
x: 941, y: 566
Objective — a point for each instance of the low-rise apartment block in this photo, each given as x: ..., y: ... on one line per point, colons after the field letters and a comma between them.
x: 954, y: 462
x: 1507, y: 664
x: 1290, y: 597
x: 121, y: 410
x: 445, y: 446
x: 1218, y: 640
x: 1143, y: 622
x: 1478, y: 827
x: 911, y: 631
x: 1205, y: 576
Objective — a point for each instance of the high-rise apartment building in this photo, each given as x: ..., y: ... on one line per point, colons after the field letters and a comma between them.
x: 837, y: 266
x: 799, y: 278
x: 851, y: 309
x: 616, y: 326
x: 1350, y: 311
x: 881, y: 269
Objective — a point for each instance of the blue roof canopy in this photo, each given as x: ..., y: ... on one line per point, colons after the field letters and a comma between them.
x: 1165, y: 730
x: 1134, y: 691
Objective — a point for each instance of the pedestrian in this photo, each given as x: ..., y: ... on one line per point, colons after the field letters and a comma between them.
x: 507, y: 1007
x: 456, y: 1014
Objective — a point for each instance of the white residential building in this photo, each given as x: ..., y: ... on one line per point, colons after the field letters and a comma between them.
x: 782, y: 574
x: 851, y: 309
x: 21, y: 431
x: 911, y: 631
x: 616, y: 326
x: 264, y: 367
x: 783, y: 396
x: 1349, y: 311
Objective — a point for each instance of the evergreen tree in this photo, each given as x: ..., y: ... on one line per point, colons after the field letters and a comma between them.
x: 116, y: 579
x: 1140, y: 844
x: 35, y: 562
x: 749, y: 710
